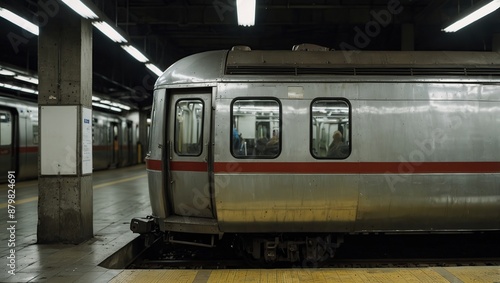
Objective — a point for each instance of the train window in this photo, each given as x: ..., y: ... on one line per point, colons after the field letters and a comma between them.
x: 330, y: 129
x: 5, y: 129
x: 256, y: 129
x: 95, y: 130
x: 188, y: 127
x: 35, y: 134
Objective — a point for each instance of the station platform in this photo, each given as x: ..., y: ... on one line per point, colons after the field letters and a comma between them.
x: 120, y: 195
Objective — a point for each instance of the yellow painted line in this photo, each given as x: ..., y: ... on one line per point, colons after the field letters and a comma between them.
x: 476, y: 274
x: 4, y: 205
x: 343, y: 275
x: 21, y: 185
x: 137, y: 276
x: 118, y: 181
x: 26, y: 200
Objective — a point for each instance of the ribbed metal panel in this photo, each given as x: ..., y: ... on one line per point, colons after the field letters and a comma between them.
x: 360, y: 71
x: 366, y: 63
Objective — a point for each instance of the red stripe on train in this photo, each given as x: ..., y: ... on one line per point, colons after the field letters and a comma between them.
x: 189, y: 166
x: 333, y: 167
x: 152, y: 164
x: 32, y: 149
x: 28, y: 149
x: 358, y: 167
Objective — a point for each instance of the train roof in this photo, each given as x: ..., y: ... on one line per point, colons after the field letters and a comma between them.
x: 214, y: 66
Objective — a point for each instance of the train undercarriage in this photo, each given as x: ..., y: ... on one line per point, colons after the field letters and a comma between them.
x: 291, y: 247
x: 272, y: 247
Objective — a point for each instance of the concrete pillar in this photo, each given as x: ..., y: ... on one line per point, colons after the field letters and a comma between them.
x: 407, y: 37
x: 65, y: 208
x: 496, y: 43
x: 143, y: 133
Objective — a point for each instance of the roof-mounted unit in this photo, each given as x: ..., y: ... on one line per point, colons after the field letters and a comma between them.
x: 241, y: 48
x: 309, y: 47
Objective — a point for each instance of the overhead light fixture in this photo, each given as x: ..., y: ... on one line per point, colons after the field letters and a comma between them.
x: 19, y: 21
x: 5, y: 72
x: 15, y: 87
x: 81, y: 9
x: 474, y: 15
x: 135, y: 53
x: 109, y: 31
x: 124, y: 107
x: 115, y: 104
x: 154, y: 69
x: 246, y: 12
x: 32, y: 80
x: 104, y: 106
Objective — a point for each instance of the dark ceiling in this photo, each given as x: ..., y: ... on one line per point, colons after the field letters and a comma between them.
x: 169, y: 30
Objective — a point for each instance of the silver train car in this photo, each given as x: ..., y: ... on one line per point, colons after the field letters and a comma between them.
x: 19, y: 139
x: 293, y: 149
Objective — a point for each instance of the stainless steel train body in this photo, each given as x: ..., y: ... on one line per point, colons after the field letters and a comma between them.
x: 19, y: 139
x: 420, y: 142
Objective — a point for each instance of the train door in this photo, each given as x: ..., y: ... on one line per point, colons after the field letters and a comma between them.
x: 115, y: 134
x: 130, y: 143
x: 188, y: 137
x: 7, y: 154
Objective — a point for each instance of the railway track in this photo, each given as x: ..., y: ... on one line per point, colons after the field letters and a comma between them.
x: 354, y: 263
x: 359, y: 251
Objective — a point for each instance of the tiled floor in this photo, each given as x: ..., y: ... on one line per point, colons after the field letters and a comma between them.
x: 119, y: 195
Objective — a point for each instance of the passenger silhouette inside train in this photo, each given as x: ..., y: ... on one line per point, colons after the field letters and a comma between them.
x: 337, y: 148
x: 236, y: 140
x: 272, y: 146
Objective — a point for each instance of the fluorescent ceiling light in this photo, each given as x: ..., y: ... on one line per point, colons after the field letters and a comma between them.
x: 246, y: 12
x: 32, y: 80
x: 81, y: 9
x: 4, y: 72
x: 23, y: 89
x: 115, y: 104
x: 21, y: 22
x: 474, y: 16
x: 97, y: 104
x: 95, y: 98
x: 154, y: 69
x: 110, y: 32
x: 124, y: 107
x: 135, y: 53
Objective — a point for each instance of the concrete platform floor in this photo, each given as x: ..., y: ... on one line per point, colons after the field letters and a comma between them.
x: 120, y: 195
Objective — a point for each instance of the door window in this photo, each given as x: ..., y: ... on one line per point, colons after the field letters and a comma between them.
x: 5, y: 129
x: 188, y: 127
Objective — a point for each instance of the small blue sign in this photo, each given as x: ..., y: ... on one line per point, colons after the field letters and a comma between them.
x: 86, y: 121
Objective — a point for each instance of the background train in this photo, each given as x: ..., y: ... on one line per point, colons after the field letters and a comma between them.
x: 19, y: 139
x: 241, y: 142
